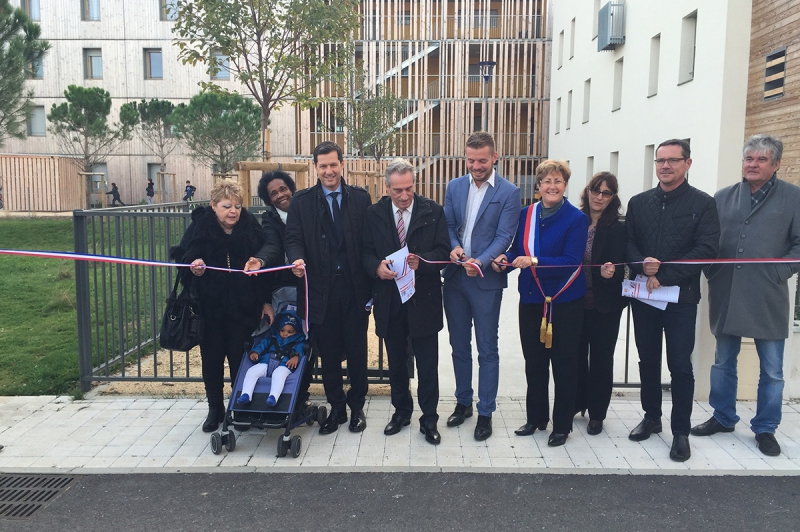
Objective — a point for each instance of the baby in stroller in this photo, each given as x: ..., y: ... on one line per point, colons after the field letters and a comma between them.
x: 283, y: 344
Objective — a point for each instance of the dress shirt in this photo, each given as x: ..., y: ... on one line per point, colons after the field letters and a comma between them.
x: 330, y: 199
x: 474, y: 200
x: 406, y: 217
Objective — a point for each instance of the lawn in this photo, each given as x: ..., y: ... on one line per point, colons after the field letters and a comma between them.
x: 38, y: 339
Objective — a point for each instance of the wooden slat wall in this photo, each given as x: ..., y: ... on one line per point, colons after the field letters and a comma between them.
x: 776, y: 24
x: 39, y: 184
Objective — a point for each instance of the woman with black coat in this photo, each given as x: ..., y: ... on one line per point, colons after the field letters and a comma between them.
x: 603, y: 302
x: 226, y: 235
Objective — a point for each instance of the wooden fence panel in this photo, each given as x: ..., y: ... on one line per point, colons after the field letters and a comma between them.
x: 39, y: 184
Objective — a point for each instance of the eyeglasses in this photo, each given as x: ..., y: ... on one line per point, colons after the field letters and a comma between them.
x: 604, y: 193
x: 547, y: 183
x: 672, y: 161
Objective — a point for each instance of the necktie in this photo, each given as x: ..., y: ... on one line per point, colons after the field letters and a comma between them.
x: 337, y: 215
x: 401, y: 227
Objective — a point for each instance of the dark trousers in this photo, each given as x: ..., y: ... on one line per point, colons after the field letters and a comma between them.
x: 596, y: 362
x: 426, y: 352
x: 343, y: 335
x: 563, y: 356
x: 222, y: 339
x: 677, y: 324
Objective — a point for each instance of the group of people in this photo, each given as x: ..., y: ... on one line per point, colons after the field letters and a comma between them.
x: 572, y: 260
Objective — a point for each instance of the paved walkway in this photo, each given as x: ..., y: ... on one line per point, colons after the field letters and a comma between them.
x: 57, y: 434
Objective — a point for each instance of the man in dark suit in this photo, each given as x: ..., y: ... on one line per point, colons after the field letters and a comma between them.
x: 482, y: 212
x: 324, y: 234
x: 400, y: 219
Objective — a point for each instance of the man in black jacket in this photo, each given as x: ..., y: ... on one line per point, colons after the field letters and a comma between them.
x: 324, y: 232
x: 400, y: 219
x: 673, y: 221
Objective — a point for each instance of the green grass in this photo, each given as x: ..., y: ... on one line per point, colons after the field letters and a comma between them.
x: 38, y: 339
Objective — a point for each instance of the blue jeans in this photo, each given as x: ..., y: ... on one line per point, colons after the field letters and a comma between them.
x: 724, y: 382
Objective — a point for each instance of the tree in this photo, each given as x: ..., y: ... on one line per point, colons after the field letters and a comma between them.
x: 219, y: 128
x: 80, y: 125
x: 21, y: 50
x: 279, y: 49
x: 370, y: 115
x: 155, y: 127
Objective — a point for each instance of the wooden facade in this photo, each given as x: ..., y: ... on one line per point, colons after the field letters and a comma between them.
x: 33, y: 183
x: 776, y: 26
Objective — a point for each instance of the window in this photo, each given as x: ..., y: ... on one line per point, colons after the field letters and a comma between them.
x: 589, y: 169
x: 572, y: 39
x: 92, y: 63
x: 36, y: 122
x: 406, y: 20
x: 480, y: 20
x: 558, y: 116
x: 774, y: 74
x: 595, y: 15
x: 587, y: 95
x: 569, y: 109
x: 613, y: 163
x: 31, y: 8
x: 649, y: 157
x: 617, y: 102
x: 153, y: 68
x: 35, y: 70
x: 561, y: 49
x: 169, y: 9
x: 655, y: 52
x: 688, y: 46
x: 223, y: 64
x: 90, y: 9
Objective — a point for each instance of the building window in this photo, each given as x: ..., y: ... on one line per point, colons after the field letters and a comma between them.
x: 558, y: 116
x: 774, y: 74
x: 153, y: 67
x: 613, y: 163
x: 406, y: 20
x: 617, y: 102
x: 36, y: 122
x: 649, y: 157
x: 572, y: 39
x: 589, y: 169
x: 92, y: 63
x: 480, y: 20
x: 587, y: 95
x: 168, y: 9
x: 595, y: 18
x: 223, y: 64
x: 35, y: 69
x: 561, y: 49
x: 569, y: 109
x: 90, y: 9
x: 688, y: 48
x: 655, y: 53
x: 31, y: 8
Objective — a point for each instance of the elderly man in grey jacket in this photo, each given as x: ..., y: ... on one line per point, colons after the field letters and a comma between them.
x: 759, y: 218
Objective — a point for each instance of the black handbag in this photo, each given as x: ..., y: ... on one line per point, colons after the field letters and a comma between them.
x: 182, y: 324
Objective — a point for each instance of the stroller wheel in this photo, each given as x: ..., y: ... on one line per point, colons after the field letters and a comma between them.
x: 216, y: 443
x: 230, y: 443
x: 322, y: 415
x: 282, y: 447
x: 297, y: 444
x: 311, y: 413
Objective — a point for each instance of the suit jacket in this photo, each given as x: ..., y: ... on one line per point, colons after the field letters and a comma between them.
x: 610, y: 243
x: 276, y: 229
x: 494, y: 228
x: 310, y: 235
x: 426, y: 236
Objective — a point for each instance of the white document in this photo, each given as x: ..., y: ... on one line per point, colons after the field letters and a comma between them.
x: 659, y: 298
x: 405, y: 279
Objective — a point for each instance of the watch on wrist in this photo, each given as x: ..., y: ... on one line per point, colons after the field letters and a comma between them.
x: 534, y: 261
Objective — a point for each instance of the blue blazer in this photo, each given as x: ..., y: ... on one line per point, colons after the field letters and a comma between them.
x: 494, y: 228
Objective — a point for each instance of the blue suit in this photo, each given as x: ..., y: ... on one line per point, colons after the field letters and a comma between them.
x: 469, y: 300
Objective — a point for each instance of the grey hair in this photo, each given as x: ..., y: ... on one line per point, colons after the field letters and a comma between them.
x: 397, y: 166
x: 762, y: 142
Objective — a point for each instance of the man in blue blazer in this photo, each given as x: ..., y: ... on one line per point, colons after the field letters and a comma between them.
x: 482, y: 212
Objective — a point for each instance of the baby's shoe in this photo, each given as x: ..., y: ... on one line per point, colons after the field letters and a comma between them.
x: 271, y: 401
x: 243, y: 399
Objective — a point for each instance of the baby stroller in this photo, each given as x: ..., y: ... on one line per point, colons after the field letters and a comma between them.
x: 287, y: 413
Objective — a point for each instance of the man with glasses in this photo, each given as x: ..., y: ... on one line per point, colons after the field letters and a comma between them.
x: 673, y: 221
x: 759, y: 218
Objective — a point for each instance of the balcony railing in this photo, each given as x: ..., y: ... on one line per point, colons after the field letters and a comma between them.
x: 438, y: 27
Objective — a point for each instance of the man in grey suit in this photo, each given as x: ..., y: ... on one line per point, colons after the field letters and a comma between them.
x: 482, y: 212
x: 759, y: 218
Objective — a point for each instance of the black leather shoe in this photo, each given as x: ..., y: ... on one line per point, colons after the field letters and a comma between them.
x: 216, y: 414
x: 557, y: 439
x: 397, y: 423
x: 358, y: 421
x: 767, y: 444
x: 680, y: 451
x: 643, y: 430
x: 712, y: 426
x: 459, y: 415
x: 483, y: 429
x: 595, y: 427
x: 431, y: 432
x: 529, y: 428
x: 331, y: 425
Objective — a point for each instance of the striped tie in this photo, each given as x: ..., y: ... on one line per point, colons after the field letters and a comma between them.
x: 401, y: 227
